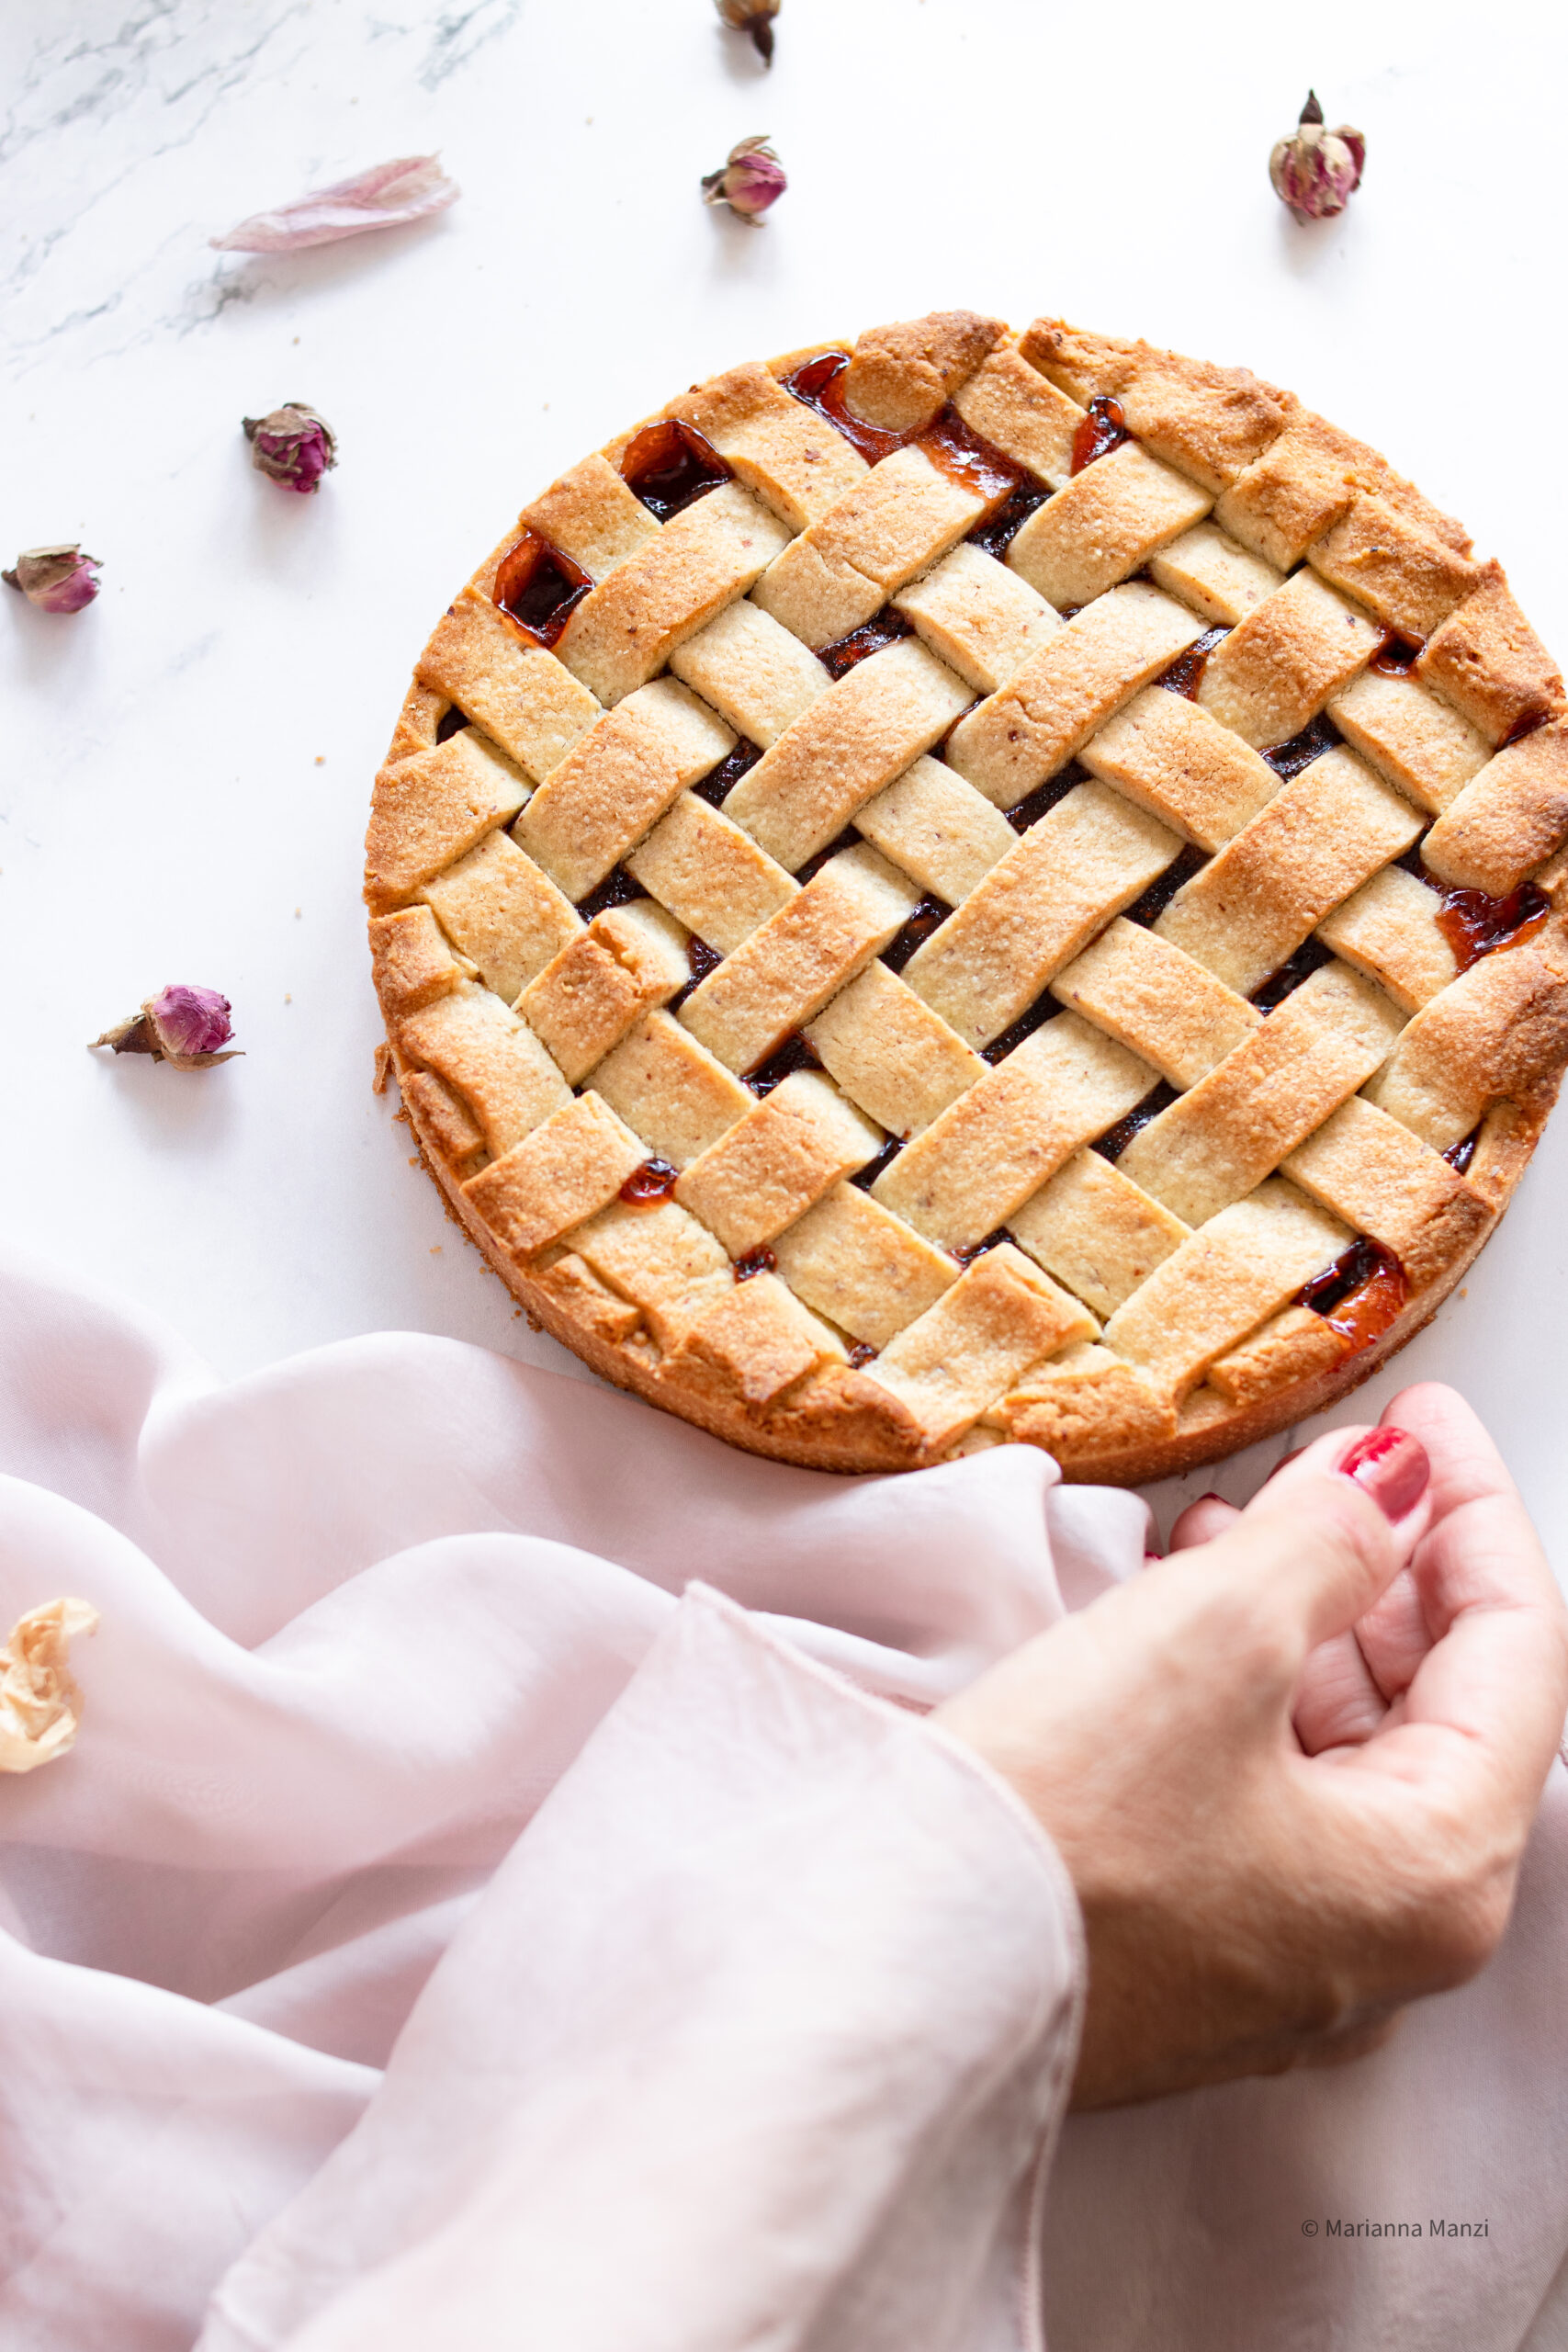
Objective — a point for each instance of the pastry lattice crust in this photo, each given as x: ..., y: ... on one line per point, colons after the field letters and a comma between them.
x: 1002, y: 888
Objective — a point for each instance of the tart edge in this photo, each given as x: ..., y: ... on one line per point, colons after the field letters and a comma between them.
x: 835, y: 1418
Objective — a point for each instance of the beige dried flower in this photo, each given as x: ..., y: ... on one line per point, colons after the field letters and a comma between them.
x: 41, y: 1706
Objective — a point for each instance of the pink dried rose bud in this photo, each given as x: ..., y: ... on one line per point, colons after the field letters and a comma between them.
x: 59, y: 579
x: 753, y: 16
x: 293, y: 445
x: 752, y: 178
x: 182, y: 1025
x: 408, y: 188
x: 1315, y: 171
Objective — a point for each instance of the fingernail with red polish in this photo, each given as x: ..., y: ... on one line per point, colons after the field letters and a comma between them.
x: 1392, y: 1467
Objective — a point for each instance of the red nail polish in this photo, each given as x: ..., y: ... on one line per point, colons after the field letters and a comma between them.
x: 1392, y: 1467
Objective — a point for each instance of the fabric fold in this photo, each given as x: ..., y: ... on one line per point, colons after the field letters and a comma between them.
x: 752, y: 2040
x: 377, y: 1624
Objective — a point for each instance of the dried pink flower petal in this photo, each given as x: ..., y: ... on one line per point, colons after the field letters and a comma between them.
x: 58, y: 579
x: 751, y: 178
x: 753, y: 16
x: 293, y: 445
x: 1315, y: 171
x: 384, y: 197
x: 182, y: 1025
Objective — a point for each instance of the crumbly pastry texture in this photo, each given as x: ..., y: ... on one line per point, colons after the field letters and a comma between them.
x: 972, y: 888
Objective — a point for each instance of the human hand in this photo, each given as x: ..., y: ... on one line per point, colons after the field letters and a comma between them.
x: 1292, y: 1768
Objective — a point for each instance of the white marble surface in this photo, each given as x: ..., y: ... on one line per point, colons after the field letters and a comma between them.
x: 186, y: 766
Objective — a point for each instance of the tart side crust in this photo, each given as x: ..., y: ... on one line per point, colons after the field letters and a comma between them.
x: 1472, y: 733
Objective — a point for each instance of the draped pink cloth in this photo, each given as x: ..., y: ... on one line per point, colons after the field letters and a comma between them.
x: 445, y: 1933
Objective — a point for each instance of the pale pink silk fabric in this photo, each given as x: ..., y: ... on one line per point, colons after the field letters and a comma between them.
x: 444, y: 1934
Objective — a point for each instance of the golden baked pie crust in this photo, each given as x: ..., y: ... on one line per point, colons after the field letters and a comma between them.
x: 974, y: 999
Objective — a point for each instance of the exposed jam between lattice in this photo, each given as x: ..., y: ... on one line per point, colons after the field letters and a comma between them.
x: 1360, y: 1294
x: 796, y: 1053
x: 1102, y: 430
x: 1310, y: 957
x: 1044, y: 1008
x: 1474, y: 924
x: 1115, y: 1141
x: 668, y: 465
x: 915, y: 932
x: 540, y: 587
x: 1289, y: 760
x: 617, y: 889
x: 839, y: 659
x: 1185, y: 675
x: 654, y: 1181
x: 719, y: 782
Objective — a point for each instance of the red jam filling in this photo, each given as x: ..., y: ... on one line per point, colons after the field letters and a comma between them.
x: 668, y: 465
x: 1395, y: 658
x: 720, y: 781
x: 966, y: 457
x: 822, y: 386
x: 1044, y: 1008
x: 1185, y: 675
x: 1045, y: 797
x: 1164, y: 887
x: 1102, y: 430
x: 848, y: 839
x: 840, y: 658
x: 999, y: 530
x: 1115, y: 1141
x: 1284, y: 981
x: 1288, y: 760
x: 540, y: 587
x: 1474, y: 923
x: 617, y: 889
x: 961, y: 453
x: 820, y: 382
x: 1360, y: 1294
x: 796, y: 1053
x: 915, y: 932
x: 759, y: 1261
x: 701, y: 959
x: 978, y: 1249
x: 866, y: 1176
x: 654, y: 1181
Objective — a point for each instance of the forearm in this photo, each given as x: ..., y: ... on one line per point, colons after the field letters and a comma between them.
x: 756, y: 2037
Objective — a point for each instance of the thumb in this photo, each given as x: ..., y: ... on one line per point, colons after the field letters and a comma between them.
x: 1318, y: 1552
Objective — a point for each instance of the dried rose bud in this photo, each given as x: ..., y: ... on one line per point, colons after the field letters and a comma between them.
x: 60, y: 579
x: 185, y: 1026
x: 753, y: 16
x: 1316, y: 171
x: 292, y: 445
x: 751, y: 179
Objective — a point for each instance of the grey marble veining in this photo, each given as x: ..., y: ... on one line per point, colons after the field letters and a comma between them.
x: 120, y: 130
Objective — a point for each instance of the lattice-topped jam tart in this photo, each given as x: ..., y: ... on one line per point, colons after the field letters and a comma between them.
x: 979, y: 887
